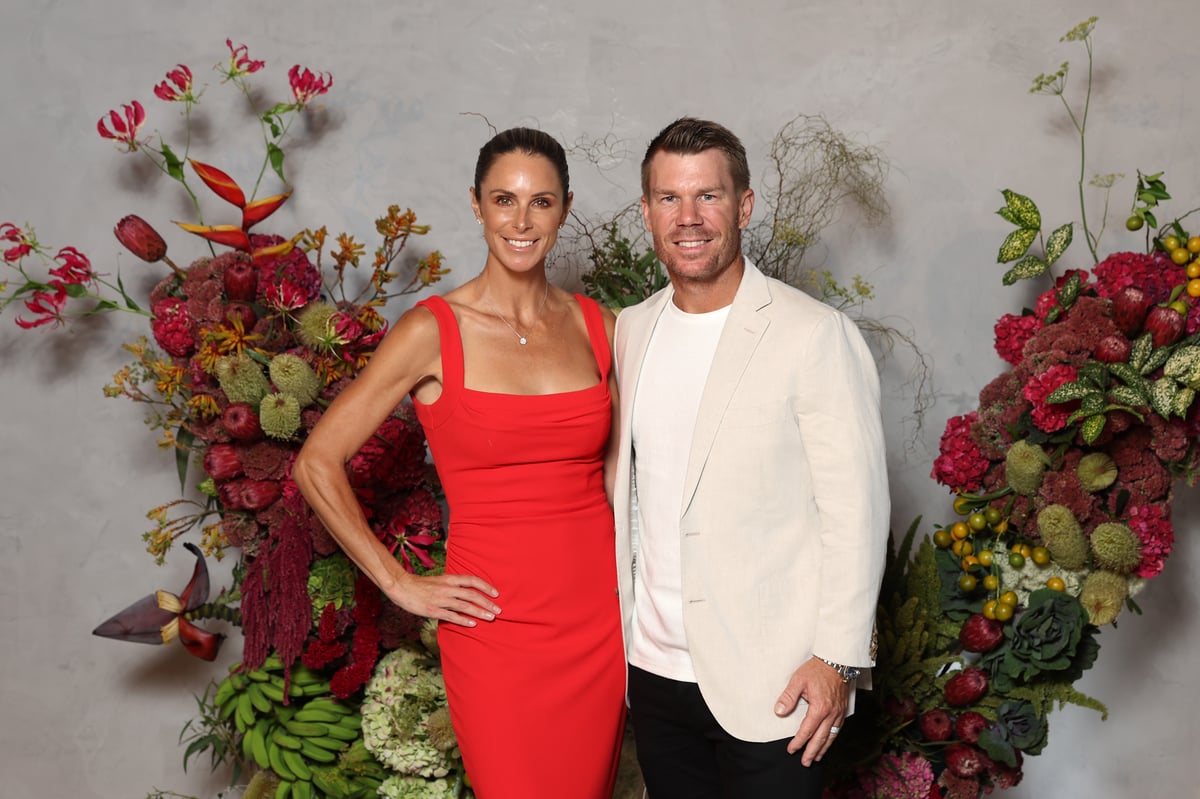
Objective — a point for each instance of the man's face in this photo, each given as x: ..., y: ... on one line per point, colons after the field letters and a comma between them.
x: 695, y: 215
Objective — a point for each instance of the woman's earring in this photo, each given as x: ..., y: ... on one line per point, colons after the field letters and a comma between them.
x: 478, y: 221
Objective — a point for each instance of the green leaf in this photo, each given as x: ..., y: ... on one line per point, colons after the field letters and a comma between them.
x: 1024, y: 211
x: 1142, y: 348
x: 76, y: 290
x: 1128, y: 375
x: 1027, y: 267
x: 1093, y: 427
x: 1184, y: 365
x: 1071, y: 391
x: 129, y: 301
x: 1092, y: 404
x: 1058, y: 242
x: 1183, y: 401
x: 1156, y: 360
x: 1150, y: 220
x: 173, y: 163
x: 185, y: 438
x: 1162, y: 396
x: 276, y: 156
x: 1070, y: 289
x: 1016, y: 244
x: 1008, y: 216
x: 1127, y: 395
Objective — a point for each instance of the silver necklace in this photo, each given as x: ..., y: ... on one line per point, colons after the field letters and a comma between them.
x: 520, y: 338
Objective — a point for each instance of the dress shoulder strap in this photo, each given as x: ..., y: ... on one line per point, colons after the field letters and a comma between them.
x: 451, y: 352
x: 597, y: 334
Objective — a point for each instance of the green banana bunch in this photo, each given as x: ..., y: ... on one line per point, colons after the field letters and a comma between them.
x: 291, y: 728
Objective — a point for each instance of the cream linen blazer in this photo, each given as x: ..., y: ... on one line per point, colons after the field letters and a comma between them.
x: 785, y: 511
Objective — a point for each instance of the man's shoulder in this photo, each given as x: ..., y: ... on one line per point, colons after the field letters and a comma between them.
x: 789, y: 303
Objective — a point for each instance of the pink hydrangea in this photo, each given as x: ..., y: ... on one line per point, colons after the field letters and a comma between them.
x: 1152, y: 523
x: 1050, y: 417
x: 961, y: 466
x: 1012, y: 332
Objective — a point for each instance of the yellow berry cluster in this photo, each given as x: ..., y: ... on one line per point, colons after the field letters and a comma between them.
x: 1185, y: 252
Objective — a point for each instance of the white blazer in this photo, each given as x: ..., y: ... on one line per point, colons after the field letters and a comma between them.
x: 785, y: 510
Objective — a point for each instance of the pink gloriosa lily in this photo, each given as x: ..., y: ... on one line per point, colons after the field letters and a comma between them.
x: 161, y: 617
x: 177, y: 87
x: 75, y: 267
x: 125, y: 126
x: 22, y: 246
x: 307, y: 84
x: 48, y: 307
x: 240, y: 62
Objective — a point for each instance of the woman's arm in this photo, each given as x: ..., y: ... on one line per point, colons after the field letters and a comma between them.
x: 409, y: 355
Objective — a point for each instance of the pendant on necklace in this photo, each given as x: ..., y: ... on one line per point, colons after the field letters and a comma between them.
x: 522, y: 339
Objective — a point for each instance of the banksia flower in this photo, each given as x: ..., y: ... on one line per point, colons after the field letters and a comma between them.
x: 1063, y: 536
x: 292, y: 375
x: 1025, y: 465
x: 1096, y: 471
x: 1102, y: 595
x: 279, y: 415
x: 1116, y: 548
x: 242, y: 379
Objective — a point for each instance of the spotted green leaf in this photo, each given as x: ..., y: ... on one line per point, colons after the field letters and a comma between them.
x: 1184, y: 365
x: 1162, y: 396
x: 1127, y: 395
x: 1183, y: 401
x: 1027, y: 267
x: 1022, y: 210
x: 1071, y: 391
x: 1058, y: 242
x: 1015, y: 245
x: 1156, y: 360
x: 1092, y: 404
x: 1142, y: 347
x: 1093, y: 427
x: 1128, y: 375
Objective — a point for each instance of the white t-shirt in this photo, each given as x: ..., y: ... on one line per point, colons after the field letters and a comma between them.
x: 664, y: 416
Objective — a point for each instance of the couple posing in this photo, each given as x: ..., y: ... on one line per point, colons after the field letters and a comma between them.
x: 743, y: 462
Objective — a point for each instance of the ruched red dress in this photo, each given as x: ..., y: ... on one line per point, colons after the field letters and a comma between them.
x: 536, y: 696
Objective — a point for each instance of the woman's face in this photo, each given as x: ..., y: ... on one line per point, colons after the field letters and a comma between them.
x: 521, y: 206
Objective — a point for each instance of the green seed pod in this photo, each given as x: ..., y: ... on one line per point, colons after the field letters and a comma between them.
x: 1063, y: 536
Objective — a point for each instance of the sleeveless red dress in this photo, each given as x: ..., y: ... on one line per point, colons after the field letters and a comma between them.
x: 537, y: 697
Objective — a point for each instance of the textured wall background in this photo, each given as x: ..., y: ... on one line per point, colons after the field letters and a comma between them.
x: 939, y: 85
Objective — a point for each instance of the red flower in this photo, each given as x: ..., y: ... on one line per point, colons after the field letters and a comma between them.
x: 285, y: 296
x: 1050, y: 417
x: 240, y: 62
x: 222, y: 462
x: 1152, y: 523
x: 177, y: 86
x: 140, y: 238
x: 1011, y: 334
x: 124, y: 127
x: 172, y: 327
x: 75, y: 268
x: 48, y: 307
x: 10, y: 232
x: 962, y: 465
x: 306, y: 84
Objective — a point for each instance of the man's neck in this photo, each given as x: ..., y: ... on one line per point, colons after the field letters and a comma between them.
x: 694, y: 296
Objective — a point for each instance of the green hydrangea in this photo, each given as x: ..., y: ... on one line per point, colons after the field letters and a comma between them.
x: 292, y: 375
x: 279, y: 415
x: 1024, y: 466
x: 416, y: 788
x: 242, y: 379
x: 402, y: 698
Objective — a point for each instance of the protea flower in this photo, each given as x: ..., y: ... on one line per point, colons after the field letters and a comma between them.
x: 141, y: 239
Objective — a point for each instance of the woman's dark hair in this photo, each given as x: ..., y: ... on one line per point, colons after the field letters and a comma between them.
x: 690, y: 136
x: 522, y: 140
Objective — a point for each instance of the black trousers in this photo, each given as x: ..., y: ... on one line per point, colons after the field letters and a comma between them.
x: 684, y: 753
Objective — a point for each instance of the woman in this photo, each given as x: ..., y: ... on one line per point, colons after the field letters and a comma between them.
x: 511, y: 380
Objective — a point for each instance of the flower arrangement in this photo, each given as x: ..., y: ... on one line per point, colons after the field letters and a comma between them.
x: 248, y: 344
x: 1063, y: 479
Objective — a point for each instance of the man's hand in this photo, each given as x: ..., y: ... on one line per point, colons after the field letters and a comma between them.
x: 818, y: 684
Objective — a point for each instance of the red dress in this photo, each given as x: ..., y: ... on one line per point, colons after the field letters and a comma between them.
x: 537, y: 696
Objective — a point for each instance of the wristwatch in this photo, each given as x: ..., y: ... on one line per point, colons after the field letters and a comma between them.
x: 847, y: 673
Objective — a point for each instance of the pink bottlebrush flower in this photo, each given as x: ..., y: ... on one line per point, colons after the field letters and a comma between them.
x: 47, y: 307
x: 177, y: 87
x: 21, y: 241
x: 74, y: 268
x: 125, y: 126
x: 240, y: 62
x: 306, y: 84
x: 1050, y: 417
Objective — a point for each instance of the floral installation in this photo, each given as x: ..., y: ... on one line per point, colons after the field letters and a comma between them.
x: 1063, y: 479
x: 248, y: 344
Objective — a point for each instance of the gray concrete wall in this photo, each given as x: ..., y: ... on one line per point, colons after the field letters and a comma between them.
x: 939, y: 85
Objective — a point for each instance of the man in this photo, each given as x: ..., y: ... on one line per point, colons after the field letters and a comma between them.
x: 751, y: 497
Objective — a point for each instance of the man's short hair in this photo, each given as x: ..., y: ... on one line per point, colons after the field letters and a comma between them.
x: 690, y: 136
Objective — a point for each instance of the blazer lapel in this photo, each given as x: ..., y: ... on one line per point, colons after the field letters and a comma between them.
x: 743, y: 330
